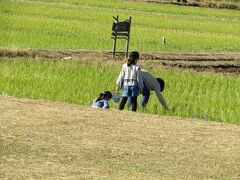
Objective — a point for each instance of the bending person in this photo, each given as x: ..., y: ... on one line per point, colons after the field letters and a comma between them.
x: 150, y: 83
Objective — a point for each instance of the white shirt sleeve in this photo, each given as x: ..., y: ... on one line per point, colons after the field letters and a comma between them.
x: 120, y: 79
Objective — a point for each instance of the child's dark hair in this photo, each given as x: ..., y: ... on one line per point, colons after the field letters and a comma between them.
x: 162, y: 83
x: 104, y: 95
x: 132, y: 58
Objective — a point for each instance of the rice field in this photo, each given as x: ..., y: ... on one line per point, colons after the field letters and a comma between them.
x: 188, y: 94
x: 59, y: 140
x: 73, y: 24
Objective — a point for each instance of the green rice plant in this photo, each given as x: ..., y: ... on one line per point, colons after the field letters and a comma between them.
x: 71, y: 24
x: 188, y: 94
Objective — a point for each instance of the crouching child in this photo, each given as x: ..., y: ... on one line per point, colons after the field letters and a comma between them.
x: 102, y: 100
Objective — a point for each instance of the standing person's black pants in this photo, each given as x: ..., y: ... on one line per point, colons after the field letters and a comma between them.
x: 133, y: 100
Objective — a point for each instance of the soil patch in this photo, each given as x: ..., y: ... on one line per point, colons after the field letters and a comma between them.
x: 215, y: 62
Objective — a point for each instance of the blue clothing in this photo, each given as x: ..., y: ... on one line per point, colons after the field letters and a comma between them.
x: 100, y: 104
x: 145, y: 96
x: 130, y: 91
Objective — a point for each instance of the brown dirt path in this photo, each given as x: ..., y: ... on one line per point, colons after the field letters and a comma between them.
x: 41, y: 139
x: 214, y: 62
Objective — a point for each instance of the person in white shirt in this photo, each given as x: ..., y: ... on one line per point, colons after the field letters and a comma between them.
x: 130, y: 80
x: 150, y: 83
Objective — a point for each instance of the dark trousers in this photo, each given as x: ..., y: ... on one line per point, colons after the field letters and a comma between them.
x: 133, y: 102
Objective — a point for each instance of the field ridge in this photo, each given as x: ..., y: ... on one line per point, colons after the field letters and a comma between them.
x: 217, y: 62
x: 42, y: 139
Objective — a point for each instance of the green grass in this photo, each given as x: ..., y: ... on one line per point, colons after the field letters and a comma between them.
x: 189, y: 94
x: 72, y: 24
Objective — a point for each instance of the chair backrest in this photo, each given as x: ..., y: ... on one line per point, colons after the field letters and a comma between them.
x: 121, y: 27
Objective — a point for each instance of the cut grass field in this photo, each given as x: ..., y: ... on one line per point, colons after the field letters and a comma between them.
x: 40, y: 139
x: 72, y: 24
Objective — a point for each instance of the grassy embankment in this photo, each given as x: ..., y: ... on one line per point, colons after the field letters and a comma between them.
x: 45, y: 140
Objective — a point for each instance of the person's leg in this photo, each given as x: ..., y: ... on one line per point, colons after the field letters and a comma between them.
x: 145, y: 95
x: 144, y: 100
x: 129, y: 102
x: 125, y: 94
x: 134, y: 103
x: 122, y: 103
x: 134, y: 95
